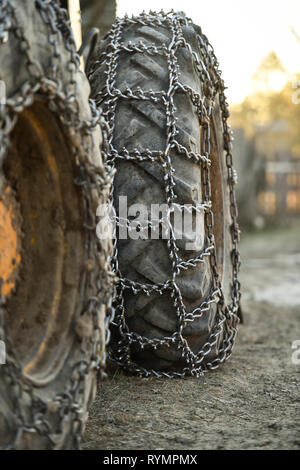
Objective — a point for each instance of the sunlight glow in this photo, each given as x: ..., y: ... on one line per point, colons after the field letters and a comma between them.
x: 241, y: 32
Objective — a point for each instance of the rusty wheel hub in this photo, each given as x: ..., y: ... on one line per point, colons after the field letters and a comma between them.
x: 10, y: 240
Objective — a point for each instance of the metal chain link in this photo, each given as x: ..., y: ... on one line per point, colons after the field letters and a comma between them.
x: 95, y: 182
x: 206, y: 66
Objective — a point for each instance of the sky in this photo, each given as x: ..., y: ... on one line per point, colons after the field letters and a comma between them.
x: 242, y: 33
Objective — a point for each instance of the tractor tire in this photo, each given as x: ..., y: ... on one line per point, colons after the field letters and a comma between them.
x: 129, y: 61
x: 55, y: 283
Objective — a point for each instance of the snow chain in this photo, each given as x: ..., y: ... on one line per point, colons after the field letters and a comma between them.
x: 94, y: 182
x: 206, y: 66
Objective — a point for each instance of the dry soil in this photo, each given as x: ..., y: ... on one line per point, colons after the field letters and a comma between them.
x: 252, y: 402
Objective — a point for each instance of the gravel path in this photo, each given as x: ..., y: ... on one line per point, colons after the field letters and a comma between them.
x: 252, y: 402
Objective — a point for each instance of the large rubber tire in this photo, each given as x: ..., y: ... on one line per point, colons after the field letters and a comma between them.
x: 142, y: 125
x: 55, y: 283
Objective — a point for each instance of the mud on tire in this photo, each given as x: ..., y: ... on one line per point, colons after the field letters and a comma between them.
x: 161, y: 96
x: 55, y: 280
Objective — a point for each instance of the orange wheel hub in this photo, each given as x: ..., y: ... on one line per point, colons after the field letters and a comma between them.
x: 10, y: 256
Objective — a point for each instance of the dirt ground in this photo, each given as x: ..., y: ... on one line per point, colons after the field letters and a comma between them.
x: 252, y: 402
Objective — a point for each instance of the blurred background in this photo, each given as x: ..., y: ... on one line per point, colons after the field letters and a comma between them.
x: 257, y: 43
